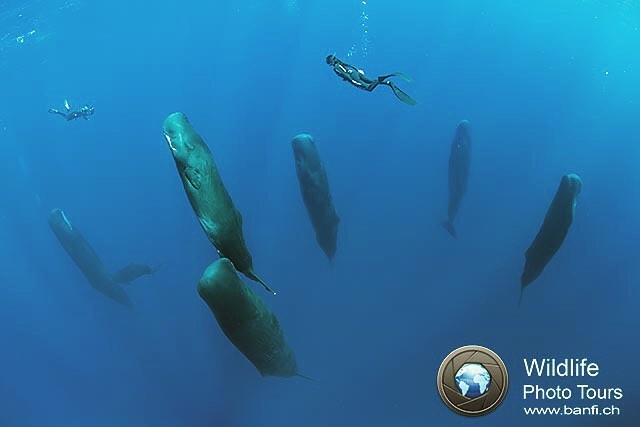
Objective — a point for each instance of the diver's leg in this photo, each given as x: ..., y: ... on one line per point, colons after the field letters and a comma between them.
x: 368, y: 84
x: 54, y: 111
x: 372, y: 85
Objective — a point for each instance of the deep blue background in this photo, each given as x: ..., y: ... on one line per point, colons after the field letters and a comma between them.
x: 549, y: 87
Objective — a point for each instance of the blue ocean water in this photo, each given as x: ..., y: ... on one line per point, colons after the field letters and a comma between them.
x: 549, y: 88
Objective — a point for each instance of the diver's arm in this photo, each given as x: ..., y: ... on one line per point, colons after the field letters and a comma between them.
x: 353, y: 69
x: 352, y: 76
x: 348, y: 69
x: 340, y: 69
x: 340, y: 73
x: 345, y: 75
x: 344, y: 65
x: 358, y: 77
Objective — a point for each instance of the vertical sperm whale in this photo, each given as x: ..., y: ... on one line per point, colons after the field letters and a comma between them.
x: 246, y: 320
x: 314, y: 186
x: 85, y: 257
x: 554, y: 230
x: 212, y: 204
x: 459, y: 163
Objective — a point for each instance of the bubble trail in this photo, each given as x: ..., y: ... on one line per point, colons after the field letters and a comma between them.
x: 364, y: 46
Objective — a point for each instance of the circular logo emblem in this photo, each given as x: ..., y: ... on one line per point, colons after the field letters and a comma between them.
x: 473, y: 381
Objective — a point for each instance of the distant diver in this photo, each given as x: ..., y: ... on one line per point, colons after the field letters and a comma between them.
x: 84, y: 112
x: 356, y: 77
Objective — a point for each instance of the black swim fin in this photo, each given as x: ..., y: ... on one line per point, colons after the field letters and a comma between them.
x: 401, y: 95
x: 448, y: 225
x: 403, y: 76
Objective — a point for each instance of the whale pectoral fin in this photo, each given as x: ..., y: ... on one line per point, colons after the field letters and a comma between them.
x: 298, y: 374
x: 253, y: 276
x: 194, y: 177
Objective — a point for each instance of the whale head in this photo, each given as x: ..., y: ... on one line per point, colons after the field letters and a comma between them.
x: 180, y: 136
x: 464, y: 125
x: 59, y: 221
x: 572, y: 184
x: 463, y: 134
x: 302, y: 143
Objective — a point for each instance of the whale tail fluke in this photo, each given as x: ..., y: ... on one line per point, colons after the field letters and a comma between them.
x: 448, y: 225
x: 253, y: 276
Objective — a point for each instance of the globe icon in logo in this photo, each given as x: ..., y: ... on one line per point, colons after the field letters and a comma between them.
x: 473, y: 380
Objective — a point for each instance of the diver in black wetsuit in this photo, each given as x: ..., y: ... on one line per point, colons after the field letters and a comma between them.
x: 356, y: 77
x: 83, y: 112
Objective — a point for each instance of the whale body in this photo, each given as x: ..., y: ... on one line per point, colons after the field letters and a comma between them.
x: 459, y: 164
x: 246, y: 320
x: 85, y: 257
x: 554, y: 229
x: 212, y: 204
x: 314, y: 186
